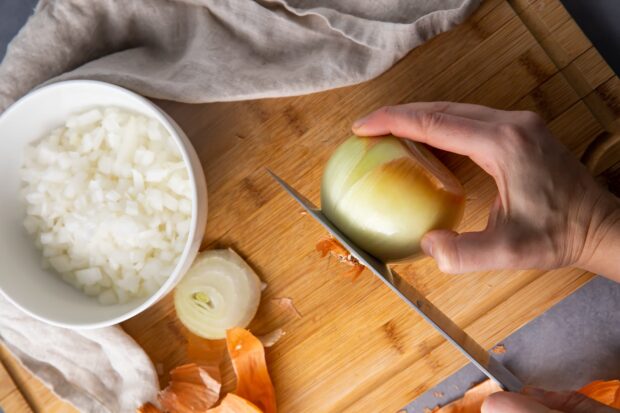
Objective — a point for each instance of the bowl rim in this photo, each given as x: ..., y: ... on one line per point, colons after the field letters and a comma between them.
x: 186, y: 149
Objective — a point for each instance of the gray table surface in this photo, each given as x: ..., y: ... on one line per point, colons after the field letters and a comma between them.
x: 573, y: 343
x: 576, y: 341
x: 13, y: 15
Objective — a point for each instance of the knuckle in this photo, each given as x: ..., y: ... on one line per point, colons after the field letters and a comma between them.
x: 513, y: 137
x: 429, y: 120
x: 440, y: 106
x: 394, y: 112
x: 575, y: 400
x: 512, y: 250
x: 531, y: 119
x: 384, y: 110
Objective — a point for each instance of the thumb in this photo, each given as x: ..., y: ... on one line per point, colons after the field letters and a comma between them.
x: 568, y: 401
x: 470, y: 251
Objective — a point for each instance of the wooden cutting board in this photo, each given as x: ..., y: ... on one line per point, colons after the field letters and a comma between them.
x: 11, y: 398
x: 357, y: 348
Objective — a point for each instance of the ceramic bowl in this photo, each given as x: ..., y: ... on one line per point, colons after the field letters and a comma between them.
x: 42, y: 293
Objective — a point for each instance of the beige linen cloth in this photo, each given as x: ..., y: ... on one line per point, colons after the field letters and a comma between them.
x: 191, y: 51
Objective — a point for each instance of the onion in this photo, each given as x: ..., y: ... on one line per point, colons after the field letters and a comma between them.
x: 385, y: 194
x: 219, y: 292
x: 108, y: 201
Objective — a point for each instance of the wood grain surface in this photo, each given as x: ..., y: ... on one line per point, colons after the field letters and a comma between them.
x: 11, y: 398
x: 357, y: 348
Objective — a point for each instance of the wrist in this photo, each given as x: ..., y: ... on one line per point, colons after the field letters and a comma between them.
x: 601, y: 251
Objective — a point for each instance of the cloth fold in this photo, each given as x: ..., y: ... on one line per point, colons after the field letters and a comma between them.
x: 214, y: 50
x: 191, y: 51
x: 98, y: 371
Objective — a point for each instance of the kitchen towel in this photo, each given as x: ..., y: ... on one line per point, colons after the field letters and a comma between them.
x: 191, y: 51
x: 220, y: 50
x: 98, y: 371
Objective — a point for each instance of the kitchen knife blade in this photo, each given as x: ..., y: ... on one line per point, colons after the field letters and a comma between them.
x: 492, y: 368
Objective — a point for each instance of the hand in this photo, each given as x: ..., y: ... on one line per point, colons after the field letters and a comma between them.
x: 549, y: 211
x: 540, y: 401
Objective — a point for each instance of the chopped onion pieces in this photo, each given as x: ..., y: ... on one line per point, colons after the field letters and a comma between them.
x: 103, y: 196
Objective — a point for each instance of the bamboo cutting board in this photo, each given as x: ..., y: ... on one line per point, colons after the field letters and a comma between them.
x: 357, y: 348
x: 11, y: 398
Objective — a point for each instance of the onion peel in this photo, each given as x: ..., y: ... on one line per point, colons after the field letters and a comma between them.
x: 196, y: 386
x: 272, y: 337
x: 330, y: 246
x: 193, y: 387
x: 287, y: 304
x: 606, y: 392
x: 499, y: 349
x: 204, y: 351
x: 235, y: 404
x: 148, y: 408
x: 248, y: 358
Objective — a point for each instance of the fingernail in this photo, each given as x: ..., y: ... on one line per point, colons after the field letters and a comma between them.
x: 427, y: 246
x: 533, y: 391
x: 358, y: 124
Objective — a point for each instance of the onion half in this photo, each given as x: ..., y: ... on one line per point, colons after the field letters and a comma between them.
x: 385, y: 194
x: 219, y: 292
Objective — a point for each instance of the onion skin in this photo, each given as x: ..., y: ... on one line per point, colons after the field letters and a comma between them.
x: 385, y: 194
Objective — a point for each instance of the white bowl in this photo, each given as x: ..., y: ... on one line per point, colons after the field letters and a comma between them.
x: 42, y: 293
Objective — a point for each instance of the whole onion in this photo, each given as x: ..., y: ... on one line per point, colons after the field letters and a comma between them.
x: 385, y: 194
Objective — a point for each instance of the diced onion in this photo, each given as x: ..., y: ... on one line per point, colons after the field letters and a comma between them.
x: 385, y: 195
x: 219, y: 292
x: 109, y: 203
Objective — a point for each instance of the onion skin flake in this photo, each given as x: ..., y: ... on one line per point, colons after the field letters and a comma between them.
x: 248, y: 358
x: 195, y: 387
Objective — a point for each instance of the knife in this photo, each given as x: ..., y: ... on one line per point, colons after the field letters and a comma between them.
x: 492, y: 368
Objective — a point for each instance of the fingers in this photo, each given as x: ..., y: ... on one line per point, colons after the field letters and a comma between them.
x: 463, y: 110
x: 568, y: 402
x: 512, y: 403
x: 541, y: 401
x: 471, y: 251
x: 469, y: 137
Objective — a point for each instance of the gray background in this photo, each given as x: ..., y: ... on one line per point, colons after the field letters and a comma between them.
x: 576, y: 341
x: 13, y: 15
